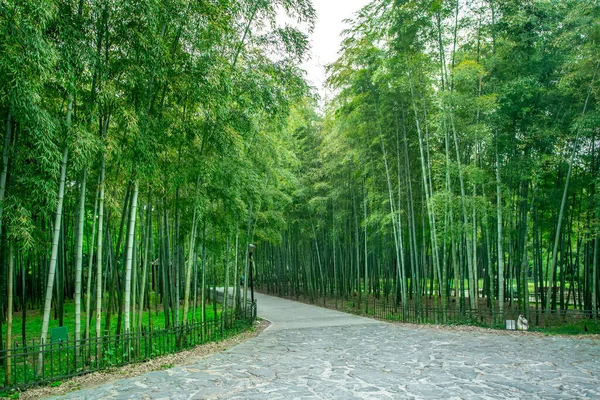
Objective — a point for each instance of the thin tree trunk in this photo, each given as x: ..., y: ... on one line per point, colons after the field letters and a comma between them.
x: 24, y: 268
x: 203, y: 283
x: 236, y: 281
x: 176, y: 265
x: 9, y: 320
x: 79, y: 262
x: 323, y: 290
x: 117, y: 288
x: 166, y: 261
x: 525, y: 262
x: 188, y: 274
x: 366, y: 250
x: 397, y: 227
x: 474, y: 247
x: 99, y: 293
x: 557, y: 235
x: 595, y: 278
x: 7, y: 139
x: 225, y: 313
x: 88, y: 297
x: 134, y: 283
x: 500, y: 250
x: 54, y: 254
x: 145, y: 260
x: 246, y: 264
x: 128, y: 262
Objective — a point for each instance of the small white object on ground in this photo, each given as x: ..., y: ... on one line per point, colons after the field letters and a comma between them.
x: 522, y: 323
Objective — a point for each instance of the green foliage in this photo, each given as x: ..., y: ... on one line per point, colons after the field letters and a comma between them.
x: 452, y: 130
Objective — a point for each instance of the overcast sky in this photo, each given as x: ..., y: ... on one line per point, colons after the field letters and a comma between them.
x: 326, y: 38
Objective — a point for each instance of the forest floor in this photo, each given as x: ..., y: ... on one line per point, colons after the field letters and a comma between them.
x: 313, y: 352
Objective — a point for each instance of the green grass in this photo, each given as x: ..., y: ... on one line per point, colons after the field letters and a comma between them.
x: 33, y: 326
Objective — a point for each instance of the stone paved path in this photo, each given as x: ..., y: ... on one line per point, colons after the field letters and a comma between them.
x: 310, y: 352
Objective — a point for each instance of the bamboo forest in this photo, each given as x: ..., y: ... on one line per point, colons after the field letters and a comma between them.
x: 451, y: 177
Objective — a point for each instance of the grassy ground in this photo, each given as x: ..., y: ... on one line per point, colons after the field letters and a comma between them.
x: 33, y: 326
x: 63, y: 360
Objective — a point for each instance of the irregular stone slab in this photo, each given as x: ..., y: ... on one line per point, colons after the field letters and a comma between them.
x: 310, y: 352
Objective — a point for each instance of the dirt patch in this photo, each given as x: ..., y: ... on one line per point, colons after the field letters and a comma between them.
x: 183, y: 358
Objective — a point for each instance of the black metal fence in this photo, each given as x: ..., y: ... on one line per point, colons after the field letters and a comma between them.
x: 555, y: 321
x: 43, y: 363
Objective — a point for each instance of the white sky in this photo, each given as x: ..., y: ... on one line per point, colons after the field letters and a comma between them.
x: 326, y: 38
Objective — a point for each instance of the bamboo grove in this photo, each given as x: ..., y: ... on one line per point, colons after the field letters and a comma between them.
x: 457, y: 166
x: 147, y: 143
x: 143, y: 148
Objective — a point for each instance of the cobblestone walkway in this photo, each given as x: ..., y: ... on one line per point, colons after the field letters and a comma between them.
x: 310, y: 352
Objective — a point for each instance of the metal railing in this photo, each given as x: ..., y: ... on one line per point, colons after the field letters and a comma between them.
x: 568, y: 321
x: 554, y: 321
x: 43, y: 363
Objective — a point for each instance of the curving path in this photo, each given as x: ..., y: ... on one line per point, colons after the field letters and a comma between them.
x: 311, y: 352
